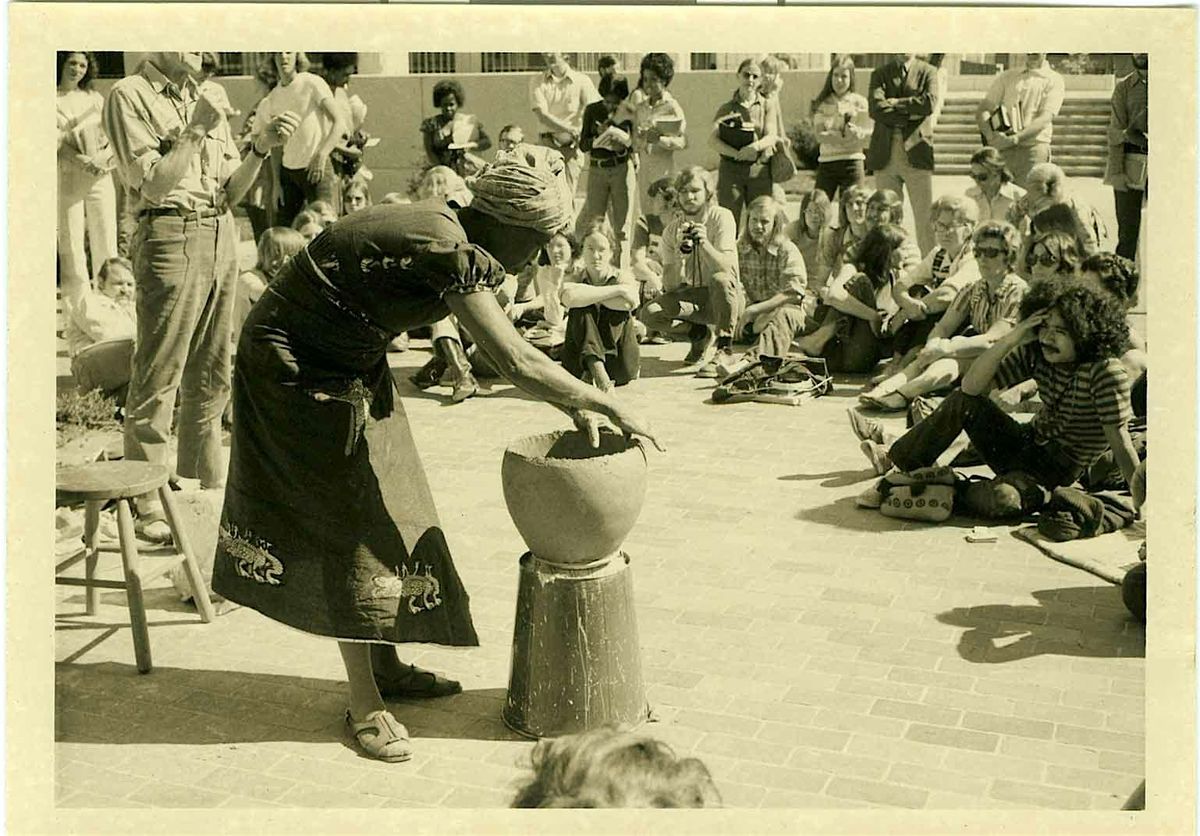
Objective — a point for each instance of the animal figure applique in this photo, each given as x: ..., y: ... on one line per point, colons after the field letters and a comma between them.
x: 411, y: 585
x: 252, y: 558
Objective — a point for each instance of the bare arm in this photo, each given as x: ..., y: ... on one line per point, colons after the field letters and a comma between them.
x: 581, y: 295
x: 1123, y: 450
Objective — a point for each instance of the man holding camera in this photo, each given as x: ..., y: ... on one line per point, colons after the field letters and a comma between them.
x: 178, y: 158
x: 700, y: 272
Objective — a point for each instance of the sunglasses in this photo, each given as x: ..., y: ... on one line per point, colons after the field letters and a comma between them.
x: 980, y: 178
x: 1044, y: 259
x: 990, y: 252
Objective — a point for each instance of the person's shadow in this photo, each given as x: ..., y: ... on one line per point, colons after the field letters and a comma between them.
x: 1088, y: 621
x: 187, y: 706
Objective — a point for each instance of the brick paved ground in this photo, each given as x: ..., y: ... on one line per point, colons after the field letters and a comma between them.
x: 813, y: 654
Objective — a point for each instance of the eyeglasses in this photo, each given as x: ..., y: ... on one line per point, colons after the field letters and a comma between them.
x: 981, y: 178
x: 990, y: 252
x: 750, y: 75
x: 941, y: 227
x: 1045, y: 259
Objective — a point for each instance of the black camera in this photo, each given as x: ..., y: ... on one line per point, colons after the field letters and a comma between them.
x: 687, y: 244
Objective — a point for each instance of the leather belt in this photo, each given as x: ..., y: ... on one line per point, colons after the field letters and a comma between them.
x: 609, y: 162
x: 186, y: 214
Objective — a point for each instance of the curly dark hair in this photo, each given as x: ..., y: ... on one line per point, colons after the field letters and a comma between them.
x: 874, y: 256
x: 1118, y: 275
x: 444, y: 88
x: 661, y: 64
x: 1095, y: 320
x: 85, y: 83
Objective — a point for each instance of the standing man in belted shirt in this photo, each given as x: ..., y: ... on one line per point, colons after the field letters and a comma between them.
x: 178, y: 157
x: 1128, y: 145
x: 1031, y: 97
x: 611, y: 182
x: 558, y: 98
x: 901, y: 94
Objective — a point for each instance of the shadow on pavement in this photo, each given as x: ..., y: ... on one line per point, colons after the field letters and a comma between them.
x: 111, y: 703
x: 844, y: 514
x: 1087, y: 621
x: 834, y: 478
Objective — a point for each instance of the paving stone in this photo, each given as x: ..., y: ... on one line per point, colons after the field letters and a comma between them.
x: 916, y: 711
x: 957, y: 738
x: 1050, y: 752
x: 161, y: 794
x: 1116, y: 741
x: 1008, y: 725
x: 1039, y: 795
x: 1093, y: 780
x: 824, y: 760
x: 762, y: 751
x: 936, y: 780
x: 892, y: 795
x: 819, y: 738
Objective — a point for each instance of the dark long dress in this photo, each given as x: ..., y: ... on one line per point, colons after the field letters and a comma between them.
x: 329, y: 525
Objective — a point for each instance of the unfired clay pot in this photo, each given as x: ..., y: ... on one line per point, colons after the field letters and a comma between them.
x: 573, y: 503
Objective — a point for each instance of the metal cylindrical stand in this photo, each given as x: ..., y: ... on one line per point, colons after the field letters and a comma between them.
x: 576, y: 662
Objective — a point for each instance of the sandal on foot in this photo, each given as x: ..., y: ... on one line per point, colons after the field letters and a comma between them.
x: 417, y: 684
x: 891, y: 402
x: 152, y: 526
x: 381, y: 736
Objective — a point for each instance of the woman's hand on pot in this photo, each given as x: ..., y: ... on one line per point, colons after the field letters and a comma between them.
x: 632, y: 423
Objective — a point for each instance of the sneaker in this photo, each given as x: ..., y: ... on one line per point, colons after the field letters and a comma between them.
x: 870, y: 498
x: 877, y: 455
x: 656, y: 339
x: 399, y: 345
x: 867, y: 429
x: 921, y: 408
x: 712, y: 368
x: 728, y: 365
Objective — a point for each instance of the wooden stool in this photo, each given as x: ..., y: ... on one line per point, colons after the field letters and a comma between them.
x: 95, y: 484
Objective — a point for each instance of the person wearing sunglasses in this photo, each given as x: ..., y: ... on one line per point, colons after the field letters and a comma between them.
x: 980, y: 314
x: 1051, y: 255
x: 993, y: 191
x: 744, y: 135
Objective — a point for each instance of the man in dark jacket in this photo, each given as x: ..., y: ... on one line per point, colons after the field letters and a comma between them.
x: 902, y: 93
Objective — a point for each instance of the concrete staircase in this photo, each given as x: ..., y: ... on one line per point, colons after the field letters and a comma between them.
x: 1078, y: 145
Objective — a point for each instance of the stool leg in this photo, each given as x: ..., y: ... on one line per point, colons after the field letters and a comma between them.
x: 195, y: 578
x: 133, y: 586
x: 91, y: 528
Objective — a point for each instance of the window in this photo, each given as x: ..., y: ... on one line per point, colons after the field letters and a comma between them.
x: 110, y: 64
x: 525, y: 62
x: 232, y: 63
x: 431, y: 63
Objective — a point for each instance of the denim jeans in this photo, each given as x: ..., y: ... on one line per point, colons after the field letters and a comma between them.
x: 720, y: 303
x: 738, y: 183
x: 839, y: 175
x: 610, y: 190
x: 1129, y: 220
x: 1006, y: 444
x: 186, y: 276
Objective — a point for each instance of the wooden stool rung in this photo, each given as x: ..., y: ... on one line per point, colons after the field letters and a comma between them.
x: 94, y: 582
x: 67, y: 563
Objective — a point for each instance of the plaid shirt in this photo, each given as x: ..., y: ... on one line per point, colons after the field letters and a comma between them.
x: 143, y: 117
x: 768, y: 270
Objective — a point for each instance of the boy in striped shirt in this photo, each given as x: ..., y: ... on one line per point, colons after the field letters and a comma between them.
x: 1072, y: 349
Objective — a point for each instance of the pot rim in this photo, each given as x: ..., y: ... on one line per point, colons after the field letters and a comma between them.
x: 631, y: 443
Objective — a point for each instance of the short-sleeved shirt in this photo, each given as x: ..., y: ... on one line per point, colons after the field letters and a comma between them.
x: 983, y: 308
x: 721, y: 227
x: 1001, y: 206
x: 647, y: 115
x: 1078, y: 399
x: 563, y: 98
x: 143, y: 117
x: 768, y: 270
x: 97, y: 318
x: 939, y: 268
x: 74, y: 109
x: 303, y: 97
x: 396, y: 262
x: 1027, y: 95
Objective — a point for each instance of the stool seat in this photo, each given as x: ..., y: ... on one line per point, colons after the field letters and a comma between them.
x: 107, y: 480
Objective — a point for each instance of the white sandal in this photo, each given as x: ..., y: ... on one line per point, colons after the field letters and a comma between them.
x: 381, y: 736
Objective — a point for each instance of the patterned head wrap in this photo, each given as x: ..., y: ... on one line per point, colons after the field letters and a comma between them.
x: 528, y: 190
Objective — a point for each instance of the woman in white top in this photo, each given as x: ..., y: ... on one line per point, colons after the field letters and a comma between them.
x: 659, y: 126
x: 306, y: 173
x: 842, y: 125
x: 994, y: 191
x: 86, y: 198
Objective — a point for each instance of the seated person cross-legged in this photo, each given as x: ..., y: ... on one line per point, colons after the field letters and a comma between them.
x: 980, y: 314
x: 1072, y: 349
x: 700, y: 271
x: 601, y: 341
x: 857, y: 304
x: 925, y: 291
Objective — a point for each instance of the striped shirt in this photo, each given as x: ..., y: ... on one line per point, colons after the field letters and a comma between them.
x: 984, y: 308
x: 1078, y: 400
x: 768, y: 270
